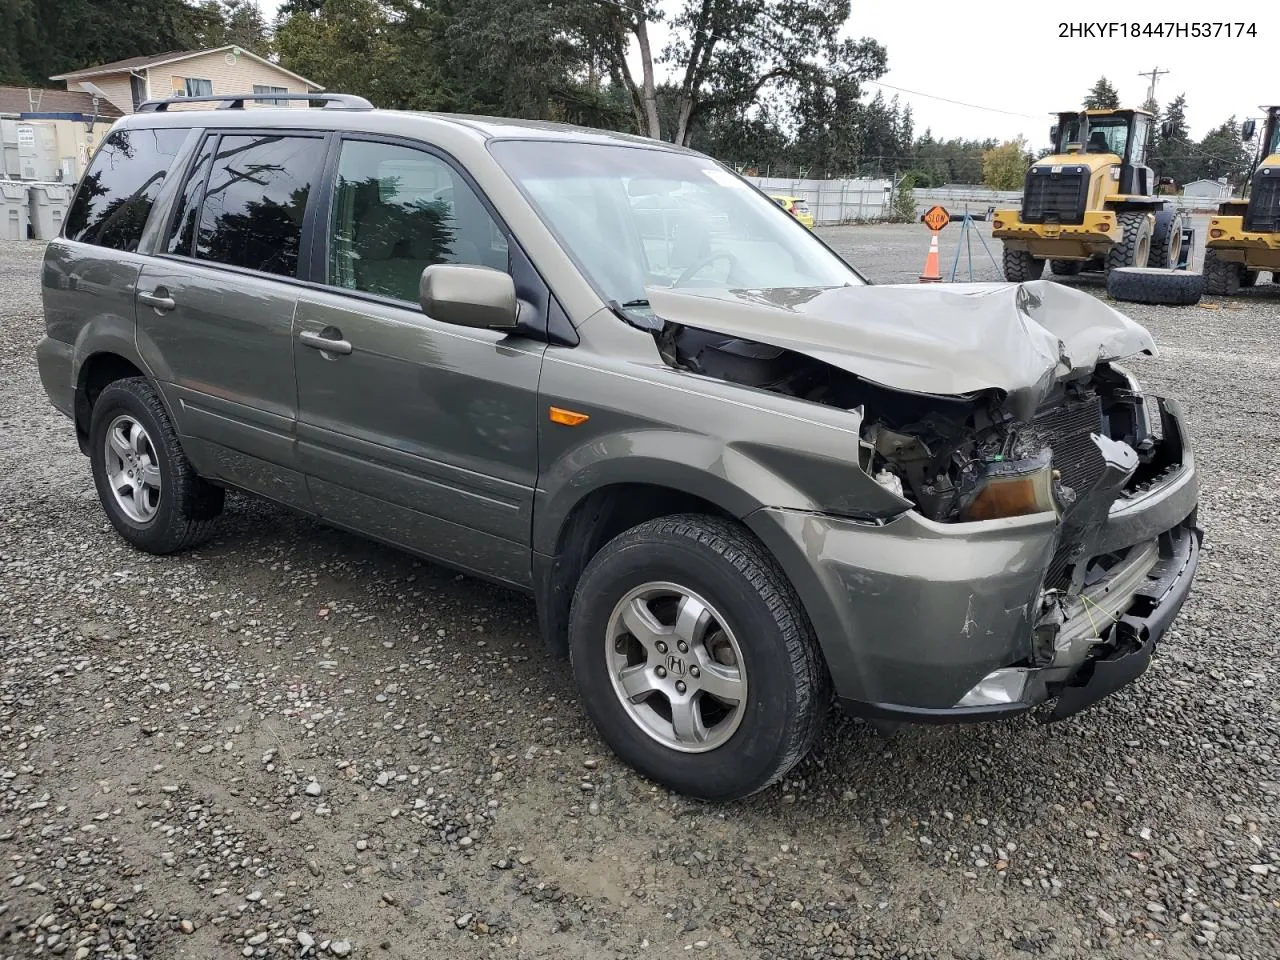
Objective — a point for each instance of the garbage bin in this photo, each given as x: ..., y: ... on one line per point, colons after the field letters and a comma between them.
x: 13, y: 210
x: 49, y: 202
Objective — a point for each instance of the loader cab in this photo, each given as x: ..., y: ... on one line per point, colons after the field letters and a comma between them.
x: 1271, y: 133
x: 1124, y: 133
x: 1121, y: 133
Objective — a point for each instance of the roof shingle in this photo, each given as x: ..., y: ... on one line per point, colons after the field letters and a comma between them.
x: 132, y: 63
x: 19, y: 100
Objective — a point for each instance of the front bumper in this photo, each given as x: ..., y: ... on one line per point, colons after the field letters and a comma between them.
x: 1257, y: 251
x: 929, y: 622
x: 1067, y: 241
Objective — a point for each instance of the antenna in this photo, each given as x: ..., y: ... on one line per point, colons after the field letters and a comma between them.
x: 1154, y: 74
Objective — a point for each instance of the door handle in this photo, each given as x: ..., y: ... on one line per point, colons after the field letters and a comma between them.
x: 323, y: 343
x: 158, y: 298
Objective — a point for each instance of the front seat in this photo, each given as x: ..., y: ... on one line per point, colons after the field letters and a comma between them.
x: 1098, y: 143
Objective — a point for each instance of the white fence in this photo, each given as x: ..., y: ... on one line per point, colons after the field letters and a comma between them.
x: 834, y: 201
x: 979, y: 199
x: 847, y: 201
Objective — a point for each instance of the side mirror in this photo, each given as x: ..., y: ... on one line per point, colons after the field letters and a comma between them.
x: 1247, y: 131
x: 1166, y: 128
x: 468, y: 296
x: 1053, y: 134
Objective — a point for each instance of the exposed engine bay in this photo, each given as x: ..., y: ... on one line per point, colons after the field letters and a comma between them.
x: 957, y: 459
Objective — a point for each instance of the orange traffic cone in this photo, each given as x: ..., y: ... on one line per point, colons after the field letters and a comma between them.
x: 931, y: 272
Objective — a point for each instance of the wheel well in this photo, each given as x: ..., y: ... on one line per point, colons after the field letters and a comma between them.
x: 96, y: 373
x: 594, y: 521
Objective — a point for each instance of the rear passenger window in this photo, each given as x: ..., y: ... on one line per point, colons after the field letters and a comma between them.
x: 396, y: 211
x: 254, y: 201
x: 115, y: 197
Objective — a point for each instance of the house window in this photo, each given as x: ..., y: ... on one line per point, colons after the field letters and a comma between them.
x: 264, y: 88
x: 195, y: 87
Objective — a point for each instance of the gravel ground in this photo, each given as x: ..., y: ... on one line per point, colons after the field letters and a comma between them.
x: 295, y: 743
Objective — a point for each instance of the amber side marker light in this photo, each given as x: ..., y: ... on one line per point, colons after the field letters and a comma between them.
x: 1216, y: 234
x: 570, y: 418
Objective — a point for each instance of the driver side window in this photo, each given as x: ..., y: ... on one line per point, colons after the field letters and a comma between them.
x: 396, y: 211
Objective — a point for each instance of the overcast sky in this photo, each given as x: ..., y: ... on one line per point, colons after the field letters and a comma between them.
x: 1009, y: 57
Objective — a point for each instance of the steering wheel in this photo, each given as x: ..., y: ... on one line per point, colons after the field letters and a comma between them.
x: 694, y: 269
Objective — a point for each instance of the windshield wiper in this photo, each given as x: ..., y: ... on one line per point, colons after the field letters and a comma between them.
x: 634, y: 303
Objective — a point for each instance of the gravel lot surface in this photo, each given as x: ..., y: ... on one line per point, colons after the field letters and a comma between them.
x: 295, y: 743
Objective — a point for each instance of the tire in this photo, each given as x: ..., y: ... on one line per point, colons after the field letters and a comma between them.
x: 1166, y: 240
x: 176, y: 512
x: 1221, y: 277
x: 1066, y: 268
x: 771, y: 649
x: 1134, y: 248
x: 1155, y: 285
x: 1020, y: 266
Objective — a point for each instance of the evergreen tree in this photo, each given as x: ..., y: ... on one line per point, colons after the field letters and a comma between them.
x: 1102, y: 96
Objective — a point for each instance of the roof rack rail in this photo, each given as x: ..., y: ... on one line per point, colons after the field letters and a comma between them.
x: 236, y: 101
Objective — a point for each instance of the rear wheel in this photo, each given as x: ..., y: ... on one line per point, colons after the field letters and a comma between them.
x: 694, y: 658
x: 1066, y: 268
x: 1020, y: 266
x: 1134, y: 248
x: 1221, y: 277
x: 149, y: 491
x: 1166, y: 240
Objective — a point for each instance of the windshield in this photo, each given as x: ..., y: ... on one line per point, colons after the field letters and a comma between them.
x: 1106, y: 135
x: 633, y: 218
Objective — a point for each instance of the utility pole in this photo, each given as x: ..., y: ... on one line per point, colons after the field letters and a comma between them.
x: 1154, y: 74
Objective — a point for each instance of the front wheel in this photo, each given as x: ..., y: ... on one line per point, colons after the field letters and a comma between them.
x: 694, y: 657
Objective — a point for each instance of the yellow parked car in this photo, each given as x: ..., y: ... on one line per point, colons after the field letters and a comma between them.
x: 796, y: 206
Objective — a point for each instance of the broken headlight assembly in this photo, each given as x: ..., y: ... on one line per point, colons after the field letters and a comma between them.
x: 1013, y: 488
x: 957, y: 472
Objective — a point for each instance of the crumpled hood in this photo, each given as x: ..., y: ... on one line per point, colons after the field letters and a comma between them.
x: 926, y: 338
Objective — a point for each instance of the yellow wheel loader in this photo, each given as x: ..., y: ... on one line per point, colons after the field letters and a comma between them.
x: 1244, y: 238
x: 1092, y: 204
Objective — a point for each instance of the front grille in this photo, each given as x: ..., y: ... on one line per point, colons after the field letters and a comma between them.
x: 1055, y: 195
x: 1264, y: 202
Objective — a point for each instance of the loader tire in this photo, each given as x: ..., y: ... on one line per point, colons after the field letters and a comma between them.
x: 1166, y: 240
x: 1221, y: 277
x: 1066, y: 268
x: 1020, y: 266
x: 1155, y: 285
x: 1134, y: 248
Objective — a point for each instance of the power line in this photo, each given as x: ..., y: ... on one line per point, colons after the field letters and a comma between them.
x: 959, y: 103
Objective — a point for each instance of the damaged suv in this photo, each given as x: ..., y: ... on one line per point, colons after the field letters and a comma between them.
x: 735, y: 476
